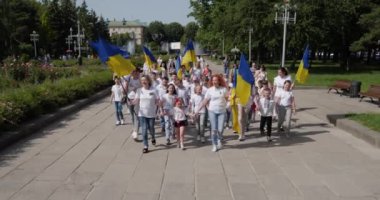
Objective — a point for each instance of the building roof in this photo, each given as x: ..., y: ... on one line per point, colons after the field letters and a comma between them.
x: 125, y: 23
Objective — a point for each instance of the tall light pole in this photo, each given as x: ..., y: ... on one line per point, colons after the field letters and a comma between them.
x: 34, y: 38
x: 285, y: 19
x: 223, y: 44
x: 79, y: 36
x: 250, y: 44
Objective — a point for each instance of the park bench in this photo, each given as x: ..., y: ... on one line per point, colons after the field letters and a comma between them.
x: 343, y: 85
x: 372, y: 92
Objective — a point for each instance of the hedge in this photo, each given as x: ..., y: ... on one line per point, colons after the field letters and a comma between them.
x: 27, y: 102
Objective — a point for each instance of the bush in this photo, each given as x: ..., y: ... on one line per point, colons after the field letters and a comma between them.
x: 30, y: 101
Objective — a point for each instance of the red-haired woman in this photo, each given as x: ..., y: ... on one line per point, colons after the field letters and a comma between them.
x: 216, y: 98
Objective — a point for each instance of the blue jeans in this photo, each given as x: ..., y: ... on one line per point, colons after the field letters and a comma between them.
x: 168, y: 126
x: 147, y: 124
x: 217, y: 126
x: 119, y: 111
x: 134, y: 117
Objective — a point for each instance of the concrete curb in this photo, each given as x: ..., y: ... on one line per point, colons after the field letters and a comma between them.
x: 28, y: 129
x: 356, y: 129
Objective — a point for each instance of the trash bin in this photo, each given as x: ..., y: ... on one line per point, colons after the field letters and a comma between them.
x: 355, y: 88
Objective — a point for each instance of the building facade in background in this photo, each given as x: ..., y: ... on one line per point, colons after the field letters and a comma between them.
x: 134, y: 28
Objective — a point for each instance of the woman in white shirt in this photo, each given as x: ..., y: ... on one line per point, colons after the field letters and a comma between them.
x: 147, y: 98
x: 116, y: 96
x: 132, y: 83
x: 200, y: 120
x: 216, y: 98
x: 279, y: 80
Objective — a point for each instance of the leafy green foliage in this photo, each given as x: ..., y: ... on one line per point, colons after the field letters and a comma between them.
x: 32, y: 100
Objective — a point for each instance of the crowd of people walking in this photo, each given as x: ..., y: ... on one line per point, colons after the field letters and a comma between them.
x: 198, y: 99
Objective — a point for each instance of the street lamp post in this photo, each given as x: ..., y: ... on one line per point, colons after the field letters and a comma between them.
x: 285, y: 19
x: 250, y: 44
x: 79, y: 36
x: 235, y: 51
x: 34, y: 38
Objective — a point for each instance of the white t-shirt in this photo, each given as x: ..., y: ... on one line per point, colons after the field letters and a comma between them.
x: 196, y: 101
x: 168, y: 101
x: 279, y: 83
x: 178, y: 114
x: 147, y: 102
x: 161, y: 90
x: 118, y: 92
x: 217, y: 97
x: 285, y: 98
x: 133, y: 84
x: 182, y: 93
x: 266, y: 107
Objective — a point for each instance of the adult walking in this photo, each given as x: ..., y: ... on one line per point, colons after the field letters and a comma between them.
x: 216, y: 99
x: 132, y: 84
x: 148, y: 99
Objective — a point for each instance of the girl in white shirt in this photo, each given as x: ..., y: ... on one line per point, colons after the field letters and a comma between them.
x: 167, y: 107
x: 148, y: 99
x: 286, y: 107
x: 180, y: 122
x: 116, y: 96
x: 200, y: 119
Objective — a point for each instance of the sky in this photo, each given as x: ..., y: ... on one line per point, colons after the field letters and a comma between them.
x: 144, y: 10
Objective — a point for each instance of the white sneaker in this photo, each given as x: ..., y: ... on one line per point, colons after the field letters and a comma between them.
x: 117, y: 123
x: 241, y: 137
x: 134, y: 135
x: 214, y: 149
x: 219, y: 146
x: 182, y: 146
x: 122, y: 122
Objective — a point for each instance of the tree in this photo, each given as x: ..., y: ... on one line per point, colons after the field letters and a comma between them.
x: 191, y: 30
x: 156, y: 30
x: 173, y: 32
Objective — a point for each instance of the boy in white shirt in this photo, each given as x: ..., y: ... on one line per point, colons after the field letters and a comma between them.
x: 286, y: 107
x: 266, y: 106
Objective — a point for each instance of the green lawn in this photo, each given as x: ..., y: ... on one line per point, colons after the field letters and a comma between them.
x: 370, y: 120
x: 326, y: 74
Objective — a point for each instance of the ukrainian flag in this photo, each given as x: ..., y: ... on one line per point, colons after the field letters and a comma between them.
x: 178, y: 68
x: 116, y: 59
x: 303, y: 69
x: 189, y: 55
x: 149, y: 58
x: 244, y: 81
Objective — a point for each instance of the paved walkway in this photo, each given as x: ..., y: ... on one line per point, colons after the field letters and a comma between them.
x: 86, y: 156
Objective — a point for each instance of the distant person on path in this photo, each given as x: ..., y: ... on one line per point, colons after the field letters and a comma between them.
x: 266, y: 106
x: 116, y: 97
x: 286, y: 107
x: 148, y: 99
x: 226, y: 65
x: 216, y: 99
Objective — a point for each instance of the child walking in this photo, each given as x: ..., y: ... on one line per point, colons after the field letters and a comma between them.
x: 180, y: 122
x: 286, y: 107
x: 266, y: 106
x: 167, y: 106
x: 200, y: 119
x: 116, y: 97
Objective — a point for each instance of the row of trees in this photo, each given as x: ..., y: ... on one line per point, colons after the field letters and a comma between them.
x: 51, y: 19
x: 336, y: 27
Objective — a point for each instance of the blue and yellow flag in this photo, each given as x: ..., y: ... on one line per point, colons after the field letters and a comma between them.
x: 189, y: 55
x: 178, y: 68
x: 244, y: 81
x: 233, y: 103
x: 149, y: 58
x: 116, y: 59
x: 303, y: 69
